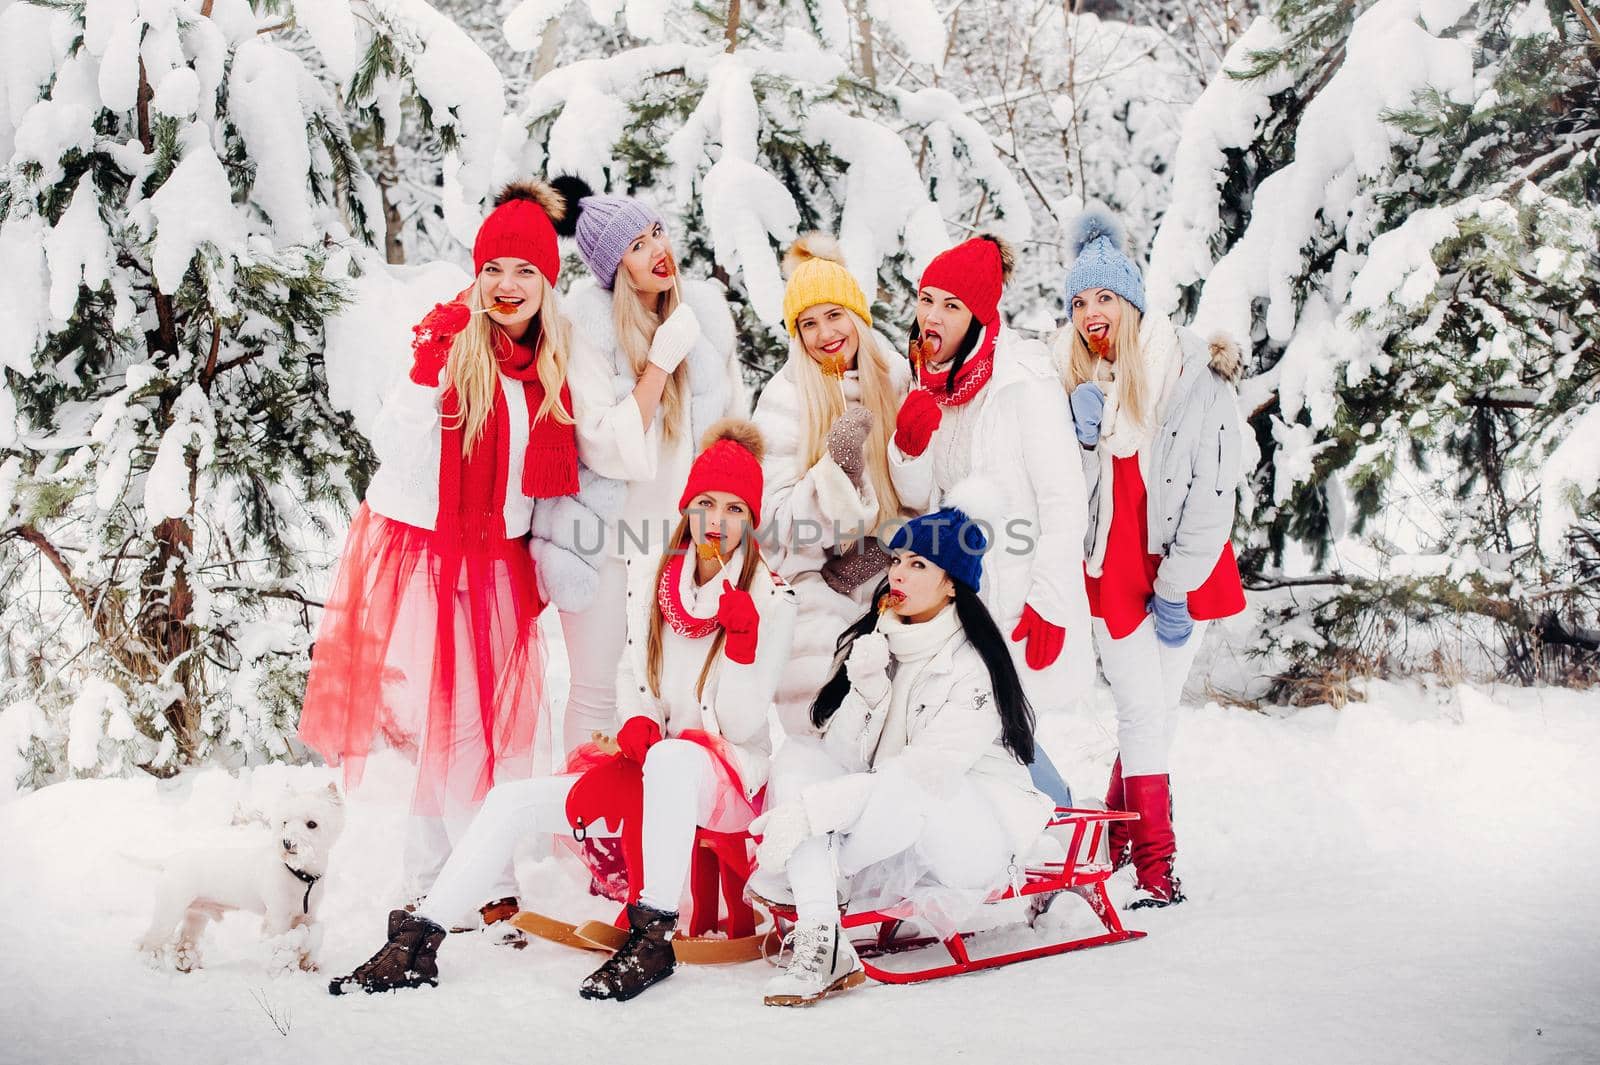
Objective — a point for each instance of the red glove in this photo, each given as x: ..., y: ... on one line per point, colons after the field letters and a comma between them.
x: 736, y: 613
x: 636, y: 737
x: 918, y: 418
x: 1045, y: 640
x: 434, y: 335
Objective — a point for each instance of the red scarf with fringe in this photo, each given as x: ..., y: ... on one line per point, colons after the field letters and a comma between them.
x: 975, y: 373
x: 472, y: 488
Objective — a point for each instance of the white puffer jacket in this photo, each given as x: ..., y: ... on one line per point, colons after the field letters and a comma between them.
x: 737, y: 697
x: 1022, y: 466
x: 612, y: 440
x: 953, y: 734
x: 803, y: 507
x: 407, y: 437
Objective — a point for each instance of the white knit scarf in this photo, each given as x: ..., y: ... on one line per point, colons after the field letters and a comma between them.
x: 1120, y: 435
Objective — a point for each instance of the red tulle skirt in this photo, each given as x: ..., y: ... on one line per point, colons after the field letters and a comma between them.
x: 434, y: 650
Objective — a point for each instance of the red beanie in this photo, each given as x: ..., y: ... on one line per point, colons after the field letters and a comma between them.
x: 520, y: 227
x: 729, y: 461
x: 974, y: 271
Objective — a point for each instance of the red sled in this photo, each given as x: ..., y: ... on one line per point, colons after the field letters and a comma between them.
x: 1083, y: 872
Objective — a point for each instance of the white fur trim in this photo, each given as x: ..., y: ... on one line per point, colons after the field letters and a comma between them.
x: 839, y: 499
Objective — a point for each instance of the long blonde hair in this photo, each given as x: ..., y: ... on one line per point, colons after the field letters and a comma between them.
x: 1132, y: 375
x: 822, y: 401
x: 473, y: 368
x: 680, y: 544
x: 636, y: 326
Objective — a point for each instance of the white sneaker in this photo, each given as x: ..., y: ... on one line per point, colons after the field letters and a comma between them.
x: 824, y: 964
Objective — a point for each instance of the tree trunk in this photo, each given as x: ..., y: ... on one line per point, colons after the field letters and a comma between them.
x: 731, y: 32
x: 549, y: 48
x: 869, y: 69
x: 386, y: 177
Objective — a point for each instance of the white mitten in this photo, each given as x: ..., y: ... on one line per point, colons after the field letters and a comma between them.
x: 674, y: 337
x: 782, y: 829
x: 868, y: 666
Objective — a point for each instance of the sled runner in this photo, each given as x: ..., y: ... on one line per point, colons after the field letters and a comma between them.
x: 1083, y: 872
x: 720, y: 868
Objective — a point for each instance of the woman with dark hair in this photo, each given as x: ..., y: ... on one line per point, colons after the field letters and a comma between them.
x: 918, y: 788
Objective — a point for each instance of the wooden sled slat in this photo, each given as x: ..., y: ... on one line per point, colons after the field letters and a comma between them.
x: 690, y: 950
x: 553, y: 929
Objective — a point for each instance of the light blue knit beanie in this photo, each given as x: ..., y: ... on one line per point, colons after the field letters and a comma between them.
x: 1099, y: 261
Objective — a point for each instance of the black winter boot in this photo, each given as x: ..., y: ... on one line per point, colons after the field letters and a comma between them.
x: 644, y: 960
x: 407, y: 960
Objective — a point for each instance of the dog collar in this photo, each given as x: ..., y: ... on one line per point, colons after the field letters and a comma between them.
x: 308, y: 880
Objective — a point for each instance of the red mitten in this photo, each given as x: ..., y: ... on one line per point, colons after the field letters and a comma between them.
x: 612, y: 791
x: 636, y: 737
x: 736, y: 613
x: 434, y: 335
x: 918, y: 418
x: 1045, y: 640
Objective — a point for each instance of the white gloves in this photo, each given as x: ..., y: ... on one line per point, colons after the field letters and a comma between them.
x: 782, y: 829
x: 674, y: 337
x: 868, y: 666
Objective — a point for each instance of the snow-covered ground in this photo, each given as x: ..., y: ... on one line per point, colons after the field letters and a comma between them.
x: 1407, y: 879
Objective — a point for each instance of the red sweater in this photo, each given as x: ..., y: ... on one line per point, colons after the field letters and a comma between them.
x: 1119, y: 596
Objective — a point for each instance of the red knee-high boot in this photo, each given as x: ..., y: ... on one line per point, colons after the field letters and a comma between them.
x: 1154, y: 845
x: 1118, y: 840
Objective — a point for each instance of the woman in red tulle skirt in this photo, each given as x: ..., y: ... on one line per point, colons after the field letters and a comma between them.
x: 429, y: 643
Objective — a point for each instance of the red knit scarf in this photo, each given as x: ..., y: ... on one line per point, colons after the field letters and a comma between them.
x: 549, y: 466
x: 670, y: 601
x: 975, y: 373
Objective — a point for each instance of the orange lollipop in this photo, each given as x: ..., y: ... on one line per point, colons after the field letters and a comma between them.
x: 891, y: 600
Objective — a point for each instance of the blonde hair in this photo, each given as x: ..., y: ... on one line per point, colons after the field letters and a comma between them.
x: 636, y: 325
x: 473, y: 367
x: 1131, y: 373
x: 680, y: 545
x: 822, y: 401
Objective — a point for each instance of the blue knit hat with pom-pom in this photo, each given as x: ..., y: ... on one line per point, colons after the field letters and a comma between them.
x: 1099, y: 261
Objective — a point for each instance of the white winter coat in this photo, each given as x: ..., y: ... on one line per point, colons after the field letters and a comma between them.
x: 612, y: 440
x: 407, y: 438
x: 954, y: 735
x: 1022, y: 466
x: 737, y: 697
x: 802, y: 508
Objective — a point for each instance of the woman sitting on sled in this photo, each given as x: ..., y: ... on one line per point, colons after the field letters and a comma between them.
x: 918, y: 788
x: 708, y: 630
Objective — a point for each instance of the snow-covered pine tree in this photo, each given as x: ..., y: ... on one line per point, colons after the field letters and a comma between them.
x: 180, y: 208
x: 1397, y: 201
x: 747, y: 121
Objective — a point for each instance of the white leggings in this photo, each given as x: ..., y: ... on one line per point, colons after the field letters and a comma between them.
x: 680, y: 789
x: 595, y: 639
x: 957, y: 840
x: 1146, y: 679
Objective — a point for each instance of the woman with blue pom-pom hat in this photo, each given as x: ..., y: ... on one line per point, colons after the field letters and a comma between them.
x: 1156, y: 415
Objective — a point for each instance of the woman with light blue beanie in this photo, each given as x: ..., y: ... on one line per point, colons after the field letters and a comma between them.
x: 654, y: 364
x: 1156, y: 414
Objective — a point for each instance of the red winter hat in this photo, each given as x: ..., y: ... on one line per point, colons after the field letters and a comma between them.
x: 729, y: 461
x: 974, y: 271
x: 521, y: 226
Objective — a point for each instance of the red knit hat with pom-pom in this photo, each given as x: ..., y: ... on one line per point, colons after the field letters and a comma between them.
x: 729, y: 461
x: 974, y: 271
x: 521, y: 226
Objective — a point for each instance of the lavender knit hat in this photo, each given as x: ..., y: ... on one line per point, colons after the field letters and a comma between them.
x: 603, y: 226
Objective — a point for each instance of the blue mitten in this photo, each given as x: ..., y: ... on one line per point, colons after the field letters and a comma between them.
x: 1173, y: 623
x: 1088, y: 404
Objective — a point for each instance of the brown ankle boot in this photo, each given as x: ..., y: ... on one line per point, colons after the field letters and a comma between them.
x: 407, y: 960
x: 644, y: 960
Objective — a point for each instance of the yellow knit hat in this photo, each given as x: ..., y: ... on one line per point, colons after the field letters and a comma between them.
x: 816, y: 272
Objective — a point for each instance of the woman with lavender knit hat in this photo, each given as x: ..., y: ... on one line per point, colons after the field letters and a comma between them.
x: 654, y: 364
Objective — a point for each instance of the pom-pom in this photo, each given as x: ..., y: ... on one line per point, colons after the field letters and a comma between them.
x: 741, y: 432
x: 1008, y: 255
x: 572, y: 191
x: 1095, y: 222
x: 811, y: 246
x: 537, y: 193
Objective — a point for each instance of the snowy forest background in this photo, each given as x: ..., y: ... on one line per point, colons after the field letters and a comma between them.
x: 218, y: 219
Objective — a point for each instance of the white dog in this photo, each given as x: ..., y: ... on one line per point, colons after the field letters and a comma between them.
x: 282, y: 880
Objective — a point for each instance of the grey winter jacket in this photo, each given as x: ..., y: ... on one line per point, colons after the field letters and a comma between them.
x: 1193, y: 468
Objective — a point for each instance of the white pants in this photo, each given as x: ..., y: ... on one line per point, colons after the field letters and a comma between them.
x: 957, y: 840
x: 1147, y: 680
x: 680, y: 787
x: 595, y: 639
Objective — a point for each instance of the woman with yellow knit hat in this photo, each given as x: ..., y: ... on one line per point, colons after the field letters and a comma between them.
x: 827, y: 415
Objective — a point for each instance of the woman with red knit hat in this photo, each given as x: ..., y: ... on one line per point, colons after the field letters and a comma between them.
x: 429, y: 642
x: 987, y: 419
x: 1156, y: 413
x: 708, y: 629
